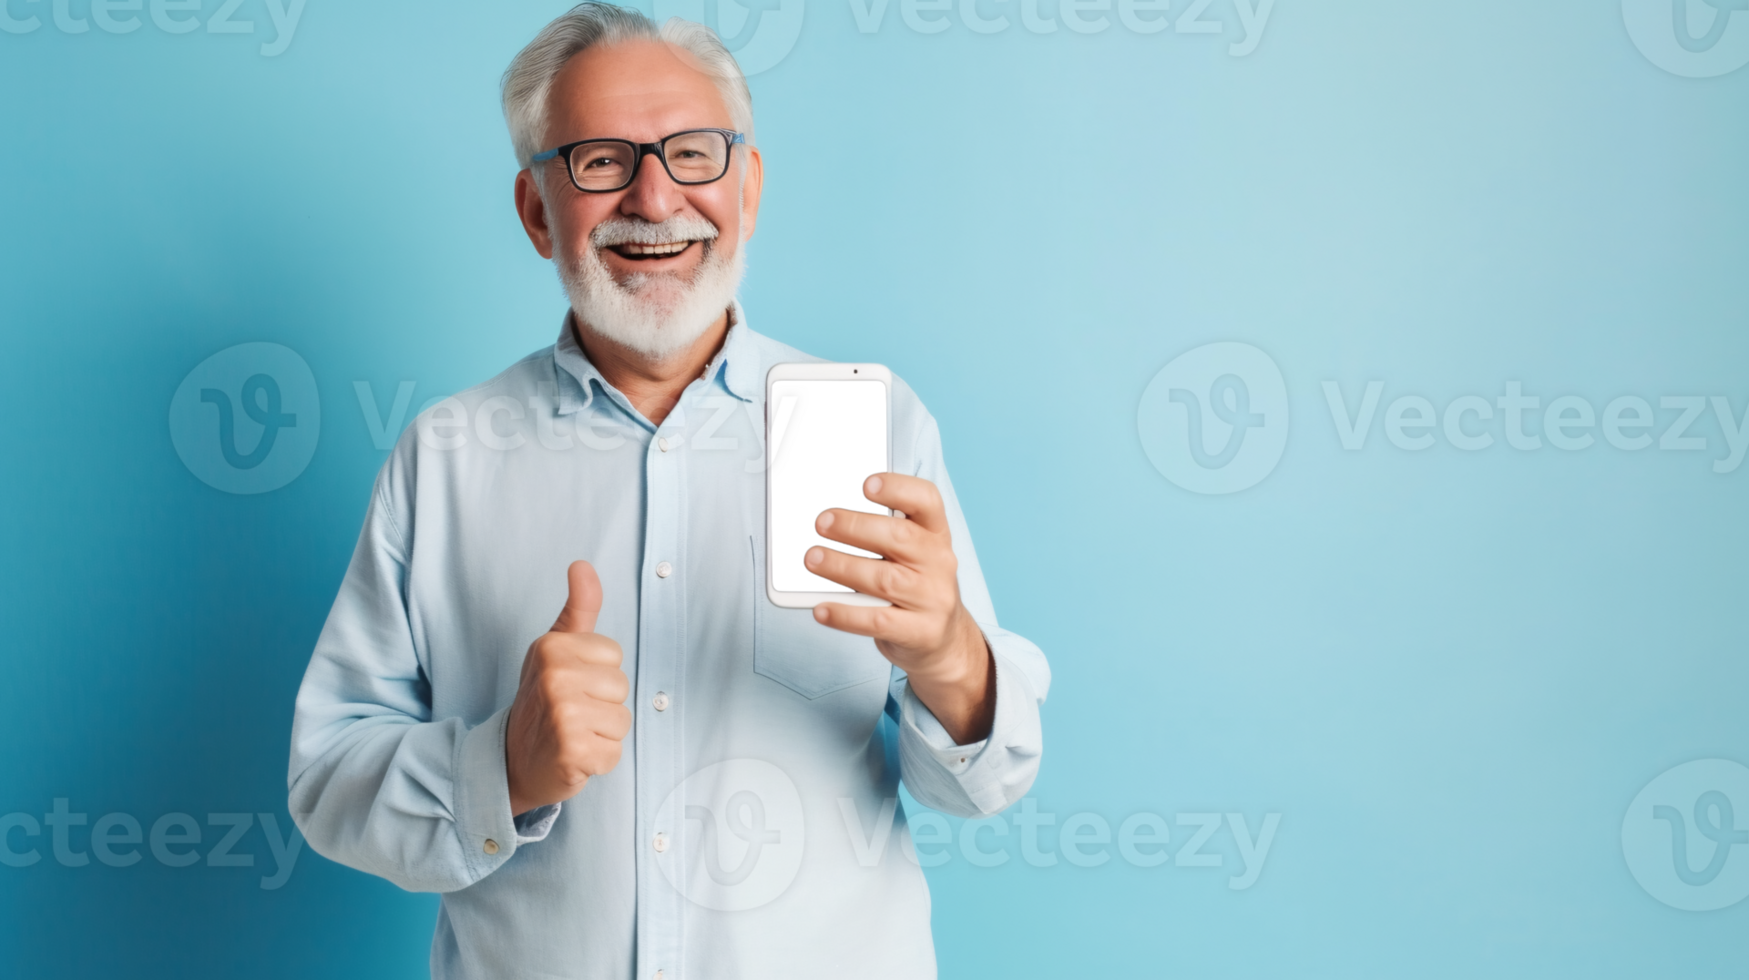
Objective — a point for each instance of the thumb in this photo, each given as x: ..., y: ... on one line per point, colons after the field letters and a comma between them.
x: 584, y: 601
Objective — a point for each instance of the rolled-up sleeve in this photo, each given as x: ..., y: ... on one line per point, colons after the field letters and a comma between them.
x: 984, y: 777
x: 375, y: 783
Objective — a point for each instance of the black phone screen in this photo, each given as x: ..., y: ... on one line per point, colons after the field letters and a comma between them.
x: 826, y: 438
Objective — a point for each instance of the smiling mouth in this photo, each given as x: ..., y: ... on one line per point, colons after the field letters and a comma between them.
x: 642, y: 252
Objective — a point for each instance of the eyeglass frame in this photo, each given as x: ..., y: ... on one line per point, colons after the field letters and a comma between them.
x: 641, y: 150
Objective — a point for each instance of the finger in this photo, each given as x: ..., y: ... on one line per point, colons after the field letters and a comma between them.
x: 583, y: 603
x: 564, y: 650
x: 891, y: 623
x: 575, y: 689
x: 870, y: 576
x: 894, y: 537
x: 603, y: 756
x: 606, y: 684
x: 615, y: 723
x: 913, y: 496
x: 590, y: 754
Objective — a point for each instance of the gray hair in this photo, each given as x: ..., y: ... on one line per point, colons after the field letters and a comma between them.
x: 529, y: 80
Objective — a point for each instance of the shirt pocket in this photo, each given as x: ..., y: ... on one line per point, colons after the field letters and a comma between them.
x: 792, y: 649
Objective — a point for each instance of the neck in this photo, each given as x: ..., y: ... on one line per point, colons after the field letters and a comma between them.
x: 652, y: 386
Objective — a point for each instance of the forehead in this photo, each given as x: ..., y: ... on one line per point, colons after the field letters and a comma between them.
x: 640, y: 90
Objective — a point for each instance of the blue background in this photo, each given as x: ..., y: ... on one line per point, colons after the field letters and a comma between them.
x: 1450, y: 672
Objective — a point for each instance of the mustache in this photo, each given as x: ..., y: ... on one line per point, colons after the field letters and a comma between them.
x: 620, y: 230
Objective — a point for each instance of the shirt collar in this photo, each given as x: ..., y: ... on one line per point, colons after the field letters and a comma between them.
x: 735, y: 367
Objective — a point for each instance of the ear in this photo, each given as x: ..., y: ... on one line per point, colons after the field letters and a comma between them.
x: 532, y: 209
x: 752, y: 182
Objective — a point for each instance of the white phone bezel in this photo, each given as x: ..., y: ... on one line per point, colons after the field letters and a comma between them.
x: 818, y: 371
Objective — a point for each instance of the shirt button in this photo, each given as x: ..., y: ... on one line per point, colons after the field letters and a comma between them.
x: 660, y: 701
x: 663, y: 569
x: 660, y: 843
x: 491, y: 846
x: 662, y: 443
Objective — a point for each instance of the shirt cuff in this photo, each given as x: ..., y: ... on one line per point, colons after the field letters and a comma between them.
x: 537, y: 823
x: 978, y: 778
x: 483, y: 820
x: 923, y: 723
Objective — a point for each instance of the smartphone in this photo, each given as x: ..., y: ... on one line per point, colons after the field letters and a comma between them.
x: 827, y: 429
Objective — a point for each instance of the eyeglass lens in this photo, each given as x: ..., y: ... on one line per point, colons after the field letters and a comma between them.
x: 692, y: 158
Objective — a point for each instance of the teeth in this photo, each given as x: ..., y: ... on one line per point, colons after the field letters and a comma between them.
x: 667, y: 248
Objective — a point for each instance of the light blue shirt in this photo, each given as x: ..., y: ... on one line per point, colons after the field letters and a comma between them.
x: 751, y: 828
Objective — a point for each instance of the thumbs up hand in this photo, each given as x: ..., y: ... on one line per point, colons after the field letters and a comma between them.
x: 570, y: 714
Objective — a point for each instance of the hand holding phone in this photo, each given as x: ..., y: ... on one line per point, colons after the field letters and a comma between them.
x: 875, y: 549
x: 925, y: 630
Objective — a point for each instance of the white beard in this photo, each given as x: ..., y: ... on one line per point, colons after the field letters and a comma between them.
x: 657, y: 315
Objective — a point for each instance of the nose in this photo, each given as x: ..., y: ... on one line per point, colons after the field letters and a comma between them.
x: 653, y: 195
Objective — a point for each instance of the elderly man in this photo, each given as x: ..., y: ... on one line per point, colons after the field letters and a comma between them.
x: 674, y: 778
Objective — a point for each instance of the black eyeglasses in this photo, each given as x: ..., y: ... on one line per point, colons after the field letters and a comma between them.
x: 693, y: 156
